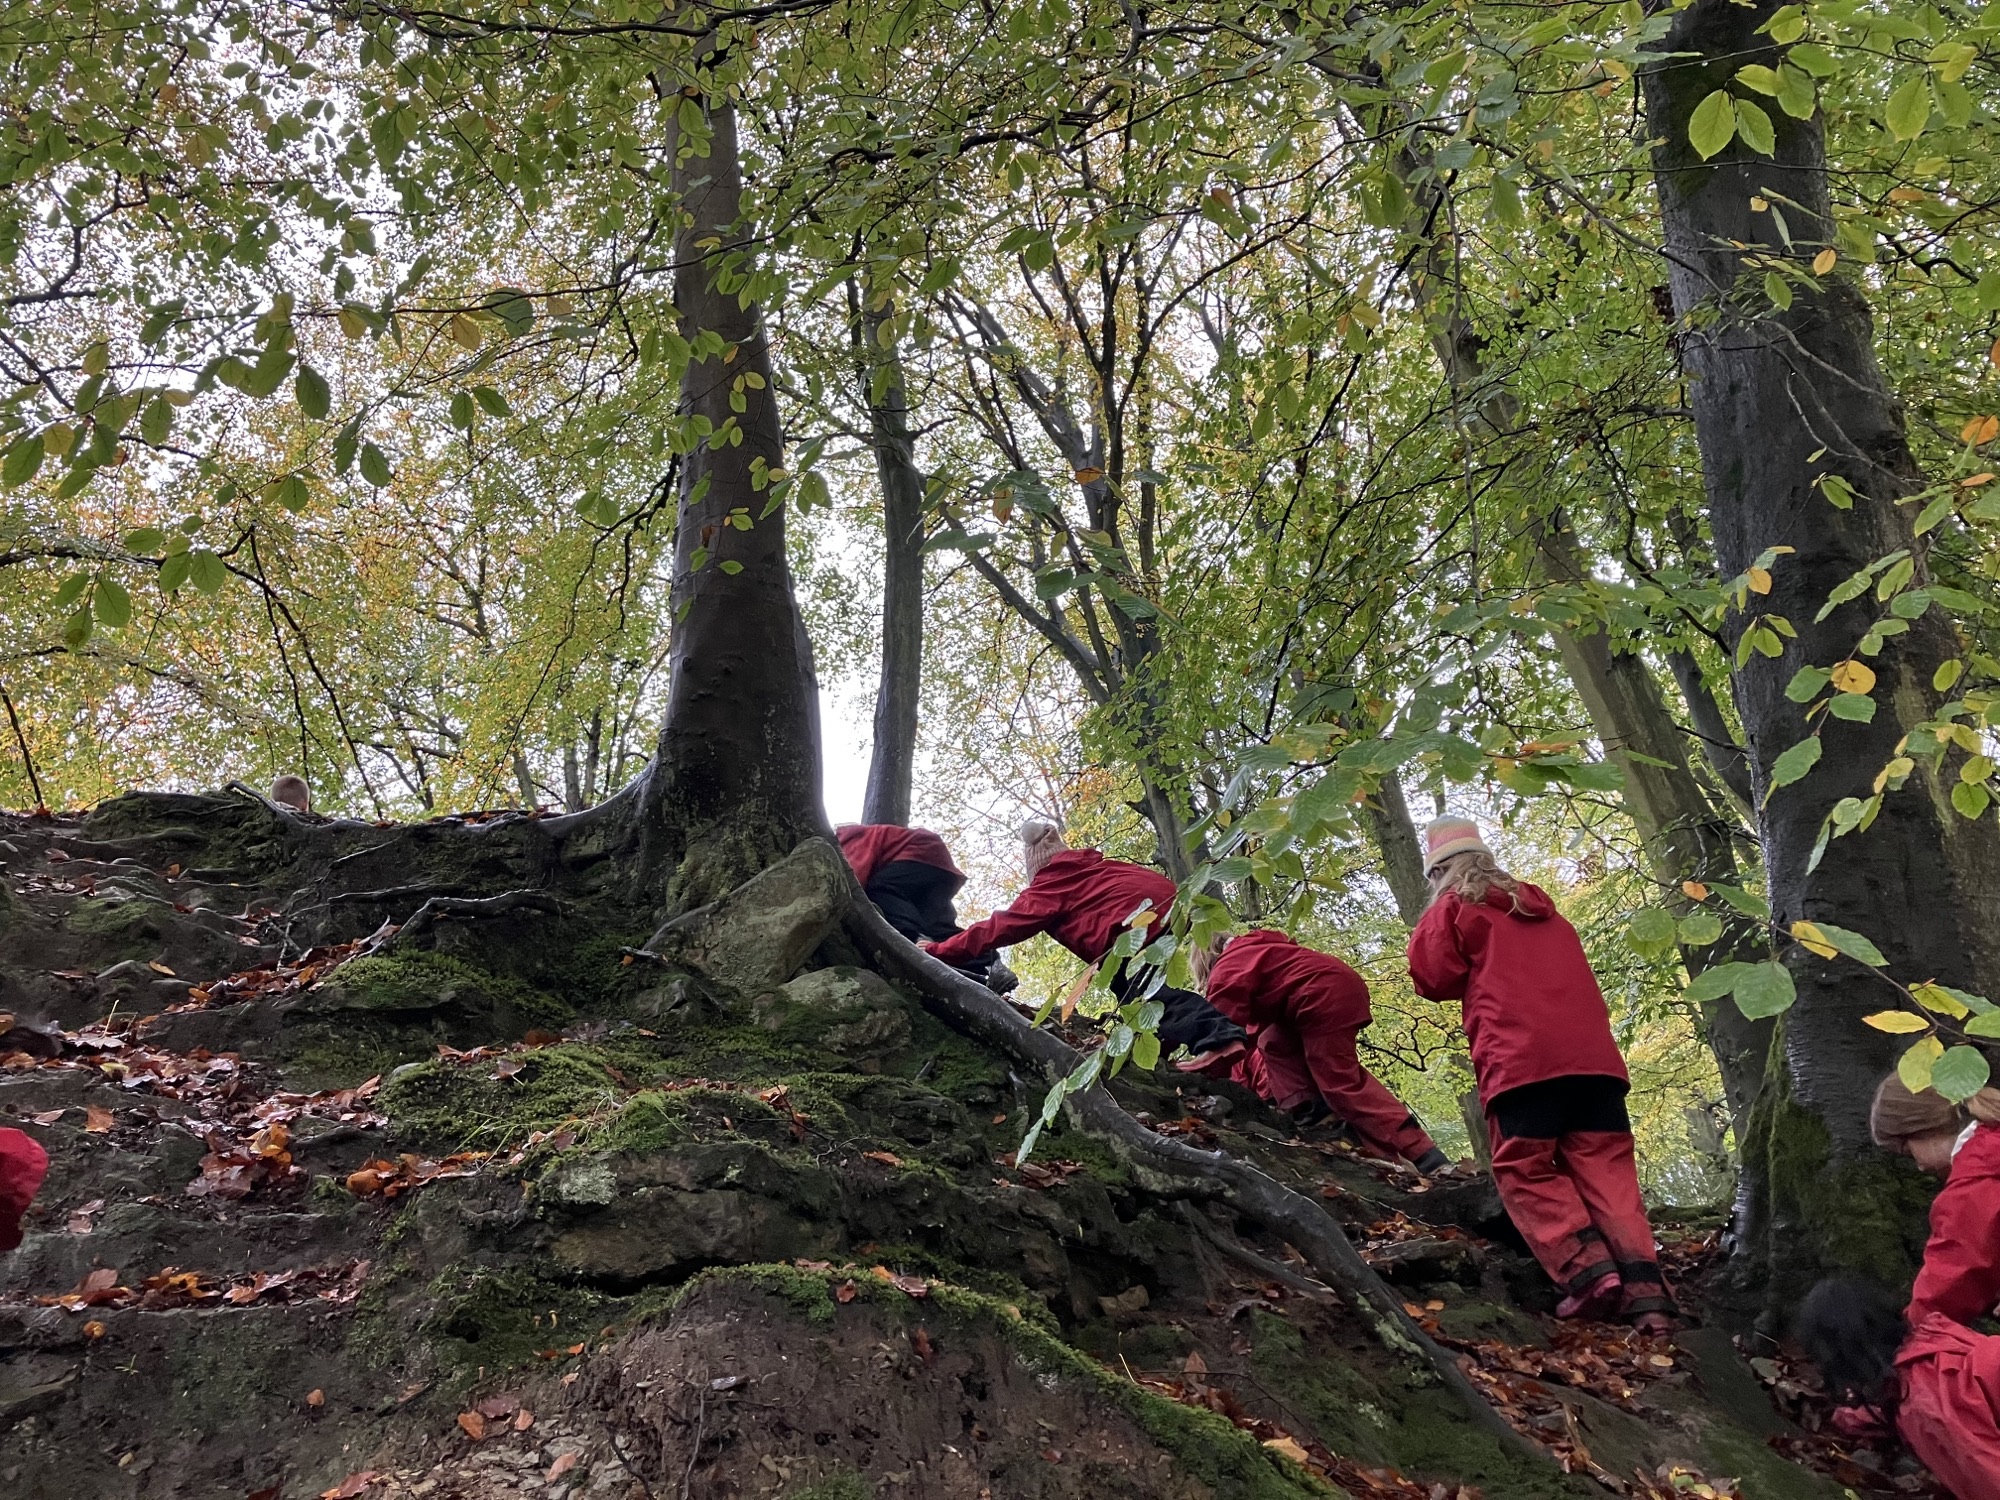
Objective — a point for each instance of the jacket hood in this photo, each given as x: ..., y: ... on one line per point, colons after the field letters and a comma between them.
x: 1530, y: 902
x: 1260, y: 937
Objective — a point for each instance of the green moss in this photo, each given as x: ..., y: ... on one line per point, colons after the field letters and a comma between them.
x: 121, y: 929
x: 463, y: 1105
x: 433, y: 981
x: 1818, y: 1210
x: 503, y: 1319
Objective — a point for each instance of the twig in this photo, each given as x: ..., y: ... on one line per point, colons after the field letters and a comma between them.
x: 694, y: 1454
x: 34, y: 781
x: 617, y: 1452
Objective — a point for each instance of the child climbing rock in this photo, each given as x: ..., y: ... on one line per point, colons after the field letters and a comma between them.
x: 23, y: 1165
x: 910, y: 876
x: 1304, y: 1011
x: 1083, y: 901
x: 1551, y: 1079
x: 1948, y: 1409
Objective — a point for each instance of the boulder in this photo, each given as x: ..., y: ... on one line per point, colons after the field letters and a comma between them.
x: 761, y: 933
x: 852, y: 1013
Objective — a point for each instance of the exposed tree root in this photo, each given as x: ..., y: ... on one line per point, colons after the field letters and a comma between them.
x: 1173, y: 1168
x: 463, y: 908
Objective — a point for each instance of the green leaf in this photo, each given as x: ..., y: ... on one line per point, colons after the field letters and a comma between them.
x: 1795, y: 763
x: 1712, y: 984
x: 1778, y: 290
x: 1852, y: 943
x: 206, y: 571
x: 76, y: 628
x: 1806, y: 684
x: 1767, y: 990
x: 23, y: 461
x: 1909, y: 109
x: 174, y: 571
x: 1712, y: 124
x: 1858, y: 708
x: 491, y: 401
x: 1971, y: 799
x: 112, y: 604
x: 145, y: 539
x: 293, y: 493
x: 375, y: 465
x: 1747, y: 902
x: 1986, y: 1024
x: 1797, y: 95
x: 1960, y: 1073
x: 1145, y: 1050
x: 155, y: 422
x: 462, y: 409
x: 1699, y: 929
x: 1755, y: 128
x: 1651, y: 932
x: 1756, y: 76
x: 314, y: 395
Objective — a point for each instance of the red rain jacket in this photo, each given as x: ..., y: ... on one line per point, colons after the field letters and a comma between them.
x: 1961, y: 1274
x: 1533, y: 1010
x: 1079, y: 898
x: 1264, y: 976
x: 1949, y: 1413
x: 23, y: 1165
x: 869, y: 846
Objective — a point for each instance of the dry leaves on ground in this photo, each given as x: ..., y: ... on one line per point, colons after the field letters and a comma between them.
x: 389, y: 1179
x: 280, y: 979
x: 173, y: 1287
x: 1867, y: 1463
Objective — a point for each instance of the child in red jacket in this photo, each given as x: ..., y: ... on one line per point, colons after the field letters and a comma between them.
x: 1304, y: 1011
x: 1083, y: 901
x: 23, y: 1165
x: 1551, y: 1078
x: 1948, y: 1409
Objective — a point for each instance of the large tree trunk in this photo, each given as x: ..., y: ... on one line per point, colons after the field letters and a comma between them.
x: 893, y: 763
x: 1401, y: 848
x: 736, y: 780
x: 1780, y: 398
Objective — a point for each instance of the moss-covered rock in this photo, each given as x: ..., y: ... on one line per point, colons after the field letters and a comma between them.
x: 851, y: 1013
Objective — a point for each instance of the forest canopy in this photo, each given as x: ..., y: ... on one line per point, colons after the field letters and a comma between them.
x: 1287, y: 420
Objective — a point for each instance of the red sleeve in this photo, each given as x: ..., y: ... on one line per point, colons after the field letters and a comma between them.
x: 1961, y: 1272
x: 1033, y: 911
x: 1437, y: 964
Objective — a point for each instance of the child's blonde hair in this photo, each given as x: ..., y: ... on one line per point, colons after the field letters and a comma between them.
x: 1470, y: 876
x: 1202, y: 957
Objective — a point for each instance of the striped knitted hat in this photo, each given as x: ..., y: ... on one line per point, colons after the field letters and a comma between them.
x: 1445, y: 837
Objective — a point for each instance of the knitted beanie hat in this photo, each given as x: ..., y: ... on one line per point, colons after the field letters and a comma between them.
x: 1039, y: 843
x: 1445, y: 837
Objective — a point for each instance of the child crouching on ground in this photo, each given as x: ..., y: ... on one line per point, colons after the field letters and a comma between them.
x: 1304, y: 1011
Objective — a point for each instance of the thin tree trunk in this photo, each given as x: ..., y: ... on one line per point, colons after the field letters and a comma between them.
x: 593, y: 747
x: 1718, y: 742
x: 1685, y: 838
x: 735, y: 782
x: 524, y: 780
x: 572, y: 781
x: 1781, y: 398
x: 893, y: 762
x: 1402, y: 850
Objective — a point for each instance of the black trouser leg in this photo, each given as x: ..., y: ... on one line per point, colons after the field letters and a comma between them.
x: 916, y: 900
x: 1190, y: 1021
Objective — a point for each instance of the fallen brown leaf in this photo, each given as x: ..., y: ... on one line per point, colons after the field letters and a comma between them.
x: 472, y: 1424
x: 93, y: 1329
x: 315, y: 1398
x: 844, y: 1292
x: 49, y: 1116
x: 887, y: 1158
x: 921, y: 1342
x: 1289, y: 1446
x: 523, y: 1420
x: 96, y: 1121
x: 351, y: 1486
x: 563, y: 1464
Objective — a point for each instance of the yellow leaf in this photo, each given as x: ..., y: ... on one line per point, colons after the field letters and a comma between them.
x: 1287, y: 1446
x: 1937, y: 998
x: 1914, y: 1066
x: 1969, y: 433
x: 1989, y: 429
x: 1896, y: 1022
x: 1854, y: 677
x: 1089, y: 476
x: 1758, y: 203
x: 1825, y: 261
x: 1906, y: 195
x: 352, y: 323
x: 464, y: 332
x: 1974, y: 481
x: 1760, y: 580
x: 1814, y: 940
x: 1694, y: 890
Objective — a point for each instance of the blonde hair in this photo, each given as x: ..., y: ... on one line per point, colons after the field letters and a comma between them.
x: 1202, y: 958
x: 1898, y: 1116
x: 1040, y: 842
x: 1470, y: 875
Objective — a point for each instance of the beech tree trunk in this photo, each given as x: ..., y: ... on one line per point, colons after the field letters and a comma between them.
x: 892, y: 764
x: 1781, y: 397
x: 1401, y: 847
x: 735, y: 782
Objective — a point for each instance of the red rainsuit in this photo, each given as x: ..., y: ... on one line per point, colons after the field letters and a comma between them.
x: 1079, y: 898
x: 1534, y: 1016
x: 870, y: 846
x: 1304, y: 1010
x: 1950, y: 1408
x: 23, y: 1165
